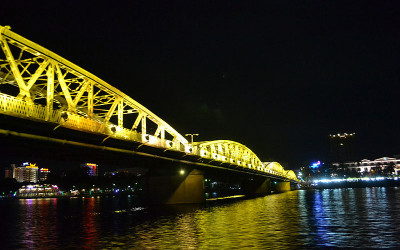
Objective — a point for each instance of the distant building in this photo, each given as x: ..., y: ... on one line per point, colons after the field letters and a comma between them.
x: 90, y: 168
x: 43, y: 173
x: 9, y: 172
x: 127, y: 172
x: 342, y: 147
x: 26, y: 173
x: 368, y: 166
x: 34, y: 191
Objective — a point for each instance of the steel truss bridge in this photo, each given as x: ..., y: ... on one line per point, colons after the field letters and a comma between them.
x: 38, y: 85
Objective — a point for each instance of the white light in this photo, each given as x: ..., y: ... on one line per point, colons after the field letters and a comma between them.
x: 153, y: 139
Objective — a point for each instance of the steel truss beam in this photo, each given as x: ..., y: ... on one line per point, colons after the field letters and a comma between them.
x: 52, y: 89
x: 239, y: 155
x: 39, y: 73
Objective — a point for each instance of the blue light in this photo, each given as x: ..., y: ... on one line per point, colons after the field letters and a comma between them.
x: 316, y: 164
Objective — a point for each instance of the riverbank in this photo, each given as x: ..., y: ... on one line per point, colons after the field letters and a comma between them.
x: 353, y: 183
x: 66, y: 195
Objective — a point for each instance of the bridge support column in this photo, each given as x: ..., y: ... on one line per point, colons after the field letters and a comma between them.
x: 283, y: 186
x: 257, y: 186
x: 179, y: 188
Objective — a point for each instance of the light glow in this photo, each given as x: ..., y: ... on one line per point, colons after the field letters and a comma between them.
x: 32, y: 165
x: 367, y: 179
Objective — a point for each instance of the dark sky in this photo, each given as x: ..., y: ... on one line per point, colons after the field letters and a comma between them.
x: 276, y: 76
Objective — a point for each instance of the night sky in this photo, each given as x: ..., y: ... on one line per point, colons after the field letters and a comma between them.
x: 276, y: 76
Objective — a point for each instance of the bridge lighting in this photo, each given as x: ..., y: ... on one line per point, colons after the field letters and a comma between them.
x: 64, y: 115
x: 86, y: 103
x: 153, y: 140
x: 191, y: 136
x: 182, y: 172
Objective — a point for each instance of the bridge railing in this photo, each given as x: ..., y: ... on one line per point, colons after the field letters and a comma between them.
x: 17, y: 107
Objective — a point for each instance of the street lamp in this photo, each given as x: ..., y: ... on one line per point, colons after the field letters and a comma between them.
x: 191, y: 136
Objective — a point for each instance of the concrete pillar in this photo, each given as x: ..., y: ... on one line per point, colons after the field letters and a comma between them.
x: 180, y: 188
x: 257, y: 186
x: 264, y: 188
x: 283, y: 186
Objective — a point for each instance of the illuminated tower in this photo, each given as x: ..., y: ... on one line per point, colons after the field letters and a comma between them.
x: 43, y: 173
x: 342, y: 147
x: 90, y: 168
x: 26, y: 173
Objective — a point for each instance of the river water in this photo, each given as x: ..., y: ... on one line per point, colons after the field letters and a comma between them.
x: 358, y: 217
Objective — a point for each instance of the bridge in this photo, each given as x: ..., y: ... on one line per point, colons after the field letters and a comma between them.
x: 40, y: 86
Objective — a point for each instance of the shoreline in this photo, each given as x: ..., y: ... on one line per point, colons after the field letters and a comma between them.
x: 353, y: 184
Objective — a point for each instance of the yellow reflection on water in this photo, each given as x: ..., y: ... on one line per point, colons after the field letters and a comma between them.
x: 257, y: 223
x: 336, y: 218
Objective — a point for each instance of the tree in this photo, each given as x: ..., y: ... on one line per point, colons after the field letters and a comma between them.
x: 389, y: 169
x: 9, y: 185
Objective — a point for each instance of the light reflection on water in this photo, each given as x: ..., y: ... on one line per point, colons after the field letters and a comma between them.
x: 363, y: 217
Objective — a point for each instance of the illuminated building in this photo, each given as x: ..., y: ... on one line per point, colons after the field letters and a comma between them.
x: 368, y: 166
x: 43, y: 173
x: 33, y: 191
x: 90, y: 168
x: 9, y: 172
x: 342, y: 147
x: 26, y: 173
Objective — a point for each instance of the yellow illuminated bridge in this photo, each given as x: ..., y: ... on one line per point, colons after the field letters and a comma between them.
x: 39, y: 85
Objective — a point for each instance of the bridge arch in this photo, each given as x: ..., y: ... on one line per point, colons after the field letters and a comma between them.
x: 38, y: 84
x: 277, y: 169
x: 229, y: 152
x: 234, y: 153
x: 290, y: 175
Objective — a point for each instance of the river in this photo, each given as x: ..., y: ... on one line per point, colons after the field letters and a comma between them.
x: 352, y: 217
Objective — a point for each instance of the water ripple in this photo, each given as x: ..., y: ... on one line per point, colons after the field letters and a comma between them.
x: 336, y: 218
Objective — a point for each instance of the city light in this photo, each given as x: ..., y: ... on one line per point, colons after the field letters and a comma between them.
x: 316, y: 164
x: 367, y: 179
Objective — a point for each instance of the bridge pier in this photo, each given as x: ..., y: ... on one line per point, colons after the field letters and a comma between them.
x: 257, y: 186
x: 282, y: 187
x: 181, y: 187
